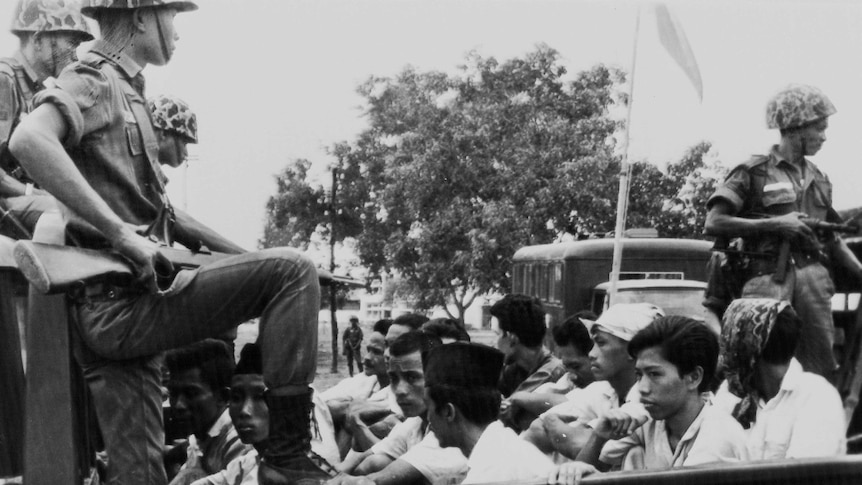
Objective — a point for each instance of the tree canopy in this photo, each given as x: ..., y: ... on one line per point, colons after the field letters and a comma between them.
x: 456, y: 172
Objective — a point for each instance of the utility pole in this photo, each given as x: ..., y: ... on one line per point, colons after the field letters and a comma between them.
x: 333, y: 207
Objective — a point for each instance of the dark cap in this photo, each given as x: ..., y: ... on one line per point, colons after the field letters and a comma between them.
x: 250, y: 360
x: 464, y: 364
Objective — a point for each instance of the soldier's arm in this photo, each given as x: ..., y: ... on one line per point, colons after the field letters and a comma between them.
x: 721, y: 220
x: 191, y: 230
x: 9, y: 186
x: 843, y: 256
x: 37, y: 145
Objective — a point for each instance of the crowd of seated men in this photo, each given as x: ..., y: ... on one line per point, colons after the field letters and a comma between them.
x: 633, y: 389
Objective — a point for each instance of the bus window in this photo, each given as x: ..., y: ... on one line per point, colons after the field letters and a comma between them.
x: 555, y: 294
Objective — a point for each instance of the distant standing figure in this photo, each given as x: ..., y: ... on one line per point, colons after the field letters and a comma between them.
x: 352, y: 343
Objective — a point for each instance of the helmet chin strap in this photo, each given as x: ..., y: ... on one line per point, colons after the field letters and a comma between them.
x: 162, y: 36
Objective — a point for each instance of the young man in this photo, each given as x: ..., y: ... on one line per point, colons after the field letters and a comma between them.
x: 362, y: 407
x: 764, y: 201
x: 411, y: 452
x: 521, y: 331
x: 787, y: 412
x: 573, y: 347
x: 49, y: 32
x: 198, y: 391
x: 90, y: 143
x: 250, y: 417
x: 463, y: 400
x: 676, y: 362
x: 564, y: 429
x: 351, y: 341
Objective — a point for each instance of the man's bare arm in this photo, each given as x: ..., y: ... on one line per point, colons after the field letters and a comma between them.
x: 721, y: 221
x: 37, y: 145
x: 536, y: 403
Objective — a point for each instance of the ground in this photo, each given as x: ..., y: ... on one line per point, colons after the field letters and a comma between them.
x: 325, y: 379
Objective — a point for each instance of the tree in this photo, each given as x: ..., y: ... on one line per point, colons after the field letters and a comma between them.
x: 456, y: 172
x: 459, y: 171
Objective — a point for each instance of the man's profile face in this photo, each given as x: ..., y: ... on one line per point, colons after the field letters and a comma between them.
x: 159, y: 39
x: 813, y: 136
x: 248, y: 409
x: 196, y: 405
x: 577, y: 365
x: 609, y: 356
x: 375, y: 357
x: 63, y: 51
x: 407, y: 381
x: 663, y: 390
x: 172, y: 148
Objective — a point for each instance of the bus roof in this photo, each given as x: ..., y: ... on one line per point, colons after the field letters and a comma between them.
x: 663, y: 248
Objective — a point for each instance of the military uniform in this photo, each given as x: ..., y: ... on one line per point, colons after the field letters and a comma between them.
x: 121, y: 330
x: 769, y: 186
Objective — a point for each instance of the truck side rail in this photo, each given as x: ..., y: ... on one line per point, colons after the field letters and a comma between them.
x: 843, y: 470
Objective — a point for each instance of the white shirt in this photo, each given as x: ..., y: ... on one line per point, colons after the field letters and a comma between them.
x: 714, y: 436
x: 587, y: 404
x: 805, y: 419
x: 501, y: 456
x: 415, y: 444
x: 240, y: 471
x: 360, y: 386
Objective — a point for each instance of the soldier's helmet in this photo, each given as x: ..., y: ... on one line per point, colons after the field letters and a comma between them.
x: 797, y: 105
x: 173, y: 114
x: 91, y: 6
x: 33, y: 16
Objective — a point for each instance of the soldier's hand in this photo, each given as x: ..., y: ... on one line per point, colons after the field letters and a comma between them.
x: 144, y: 254
x: 792, y: 225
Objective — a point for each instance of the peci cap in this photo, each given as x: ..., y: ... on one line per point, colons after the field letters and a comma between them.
x: 464, y: 365
x: 624, y: 320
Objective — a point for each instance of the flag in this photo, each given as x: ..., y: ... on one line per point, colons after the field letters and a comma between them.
x: 673, y: 38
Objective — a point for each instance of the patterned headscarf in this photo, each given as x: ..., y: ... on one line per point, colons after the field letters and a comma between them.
x: 746, y: 326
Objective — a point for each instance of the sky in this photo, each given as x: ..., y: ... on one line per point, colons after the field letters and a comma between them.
x: 275, y: 80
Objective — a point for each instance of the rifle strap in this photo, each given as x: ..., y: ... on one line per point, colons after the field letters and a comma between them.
x: 136, y: 105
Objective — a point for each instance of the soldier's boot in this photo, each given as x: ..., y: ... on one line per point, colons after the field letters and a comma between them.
x: 288, y: 459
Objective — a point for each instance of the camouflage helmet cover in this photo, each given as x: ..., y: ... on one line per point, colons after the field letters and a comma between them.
x: 50, y: 16
x: 173, y: 114
x: 797, y: 105
x: 93, y: 5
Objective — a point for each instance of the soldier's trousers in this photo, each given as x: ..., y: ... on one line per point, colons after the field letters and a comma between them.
x: 809, y: 289
x: 121, y: 338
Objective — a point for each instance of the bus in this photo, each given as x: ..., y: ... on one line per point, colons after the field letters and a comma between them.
x: 569, y: 277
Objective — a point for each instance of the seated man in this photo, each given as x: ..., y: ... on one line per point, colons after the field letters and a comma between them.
x: 676, y: 362
x: 411, y: 453
x: 573, y: 347
x: 362, y: 407
x: 462, y: 399
x: 198, y: 390
x: 520, y: 323
x: 564, y: 429
x: 786, y: 412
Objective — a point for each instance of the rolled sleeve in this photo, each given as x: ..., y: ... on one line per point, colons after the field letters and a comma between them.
x: 78, y: 94
x: 733, y: 190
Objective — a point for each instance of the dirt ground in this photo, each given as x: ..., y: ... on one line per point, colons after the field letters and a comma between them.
x: 325, y: 378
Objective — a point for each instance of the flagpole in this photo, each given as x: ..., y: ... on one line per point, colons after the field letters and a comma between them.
x: 625, y: 171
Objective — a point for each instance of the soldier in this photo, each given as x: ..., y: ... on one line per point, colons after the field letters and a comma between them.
x: 91, y: 144
x: 765, y: 200
x: 49, y: 31
x: 176, y: 126
x: 351, y: 340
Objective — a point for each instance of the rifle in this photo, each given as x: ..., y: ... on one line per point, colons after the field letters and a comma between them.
x: 816, y: 225
x: 53, y: 268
